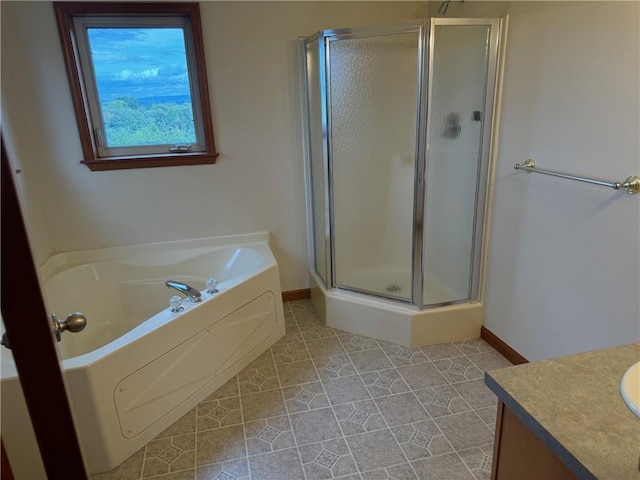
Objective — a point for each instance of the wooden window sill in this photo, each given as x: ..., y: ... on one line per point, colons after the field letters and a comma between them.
x: 122, y: 163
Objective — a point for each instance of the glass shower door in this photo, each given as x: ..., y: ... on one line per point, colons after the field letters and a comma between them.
x: 460, y: 102
x: 374, y: 84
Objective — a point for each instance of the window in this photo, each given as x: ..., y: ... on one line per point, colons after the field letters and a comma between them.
x: 138, y: 83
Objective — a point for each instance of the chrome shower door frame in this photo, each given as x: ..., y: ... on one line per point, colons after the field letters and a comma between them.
x: 303, y: 43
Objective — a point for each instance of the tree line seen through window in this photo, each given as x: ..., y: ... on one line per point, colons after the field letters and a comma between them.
x: 129, y: 121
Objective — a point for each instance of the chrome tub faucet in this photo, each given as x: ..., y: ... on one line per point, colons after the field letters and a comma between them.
x: 187, y: 290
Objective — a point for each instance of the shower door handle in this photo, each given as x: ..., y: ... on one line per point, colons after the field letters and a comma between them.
x: 74, y: 323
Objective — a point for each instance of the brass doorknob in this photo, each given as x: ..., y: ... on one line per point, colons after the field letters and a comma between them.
x: 74, y: 323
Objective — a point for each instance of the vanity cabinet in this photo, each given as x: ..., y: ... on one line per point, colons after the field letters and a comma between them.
x: 564, y: 418
x: 519, y: 454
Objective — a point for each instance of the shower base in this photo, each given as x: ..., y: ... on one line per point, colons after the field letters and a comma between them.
x: 393, y: 322
x: 396, y: 283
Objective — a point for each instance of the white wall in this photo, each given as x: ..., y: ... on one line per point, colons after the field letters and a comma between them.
x: 17, y: 119
x: 564, y: 258
x: 257, y: 183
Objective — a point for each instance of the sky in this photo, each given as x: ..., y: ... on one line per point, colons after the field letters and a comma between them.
x: 139, y: 62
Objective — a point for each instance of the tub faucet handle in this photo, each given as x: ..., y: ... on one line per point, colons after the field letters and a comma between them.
x: 212, y: 283
x: 176, y: 304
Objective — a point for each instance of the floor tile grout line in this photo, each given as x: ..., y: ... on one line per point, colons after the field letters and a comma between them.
x: 358, y: 433
x: 468, y: 353
x: 448, y: 382
x: 404, y: 454
x: 305, y: 340
x: 330, y: 406
x: 198, y: 431
x: 430, y: 417
x: 412, y: 391
x: 471, y: 410
x: 170, y: 438
x: 447, y: 440
x: 266, y: 419
x: 286, y: 408
x: 195, y: 446
x: 479, y: 447
x: 144, y: 460
x: 393, y: 366
x: 196, y: 434
x: 244, y: 431
x: 390, y: 466
x: 464, y: 463
x: 334, y: 413
x: 433, y: 419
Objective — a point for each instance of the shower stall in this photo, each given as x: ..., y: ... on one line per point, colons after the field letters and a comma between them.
x: 398, y: 127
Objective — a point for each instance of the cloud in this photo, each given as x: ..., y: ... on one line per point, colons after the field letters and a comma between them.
x: 177, y: 67
x: 139, y: 75
x: 139, y: 62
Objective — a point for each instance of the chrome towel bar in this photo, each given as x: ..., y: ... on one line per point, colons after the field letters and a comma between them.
x: 631, y: 185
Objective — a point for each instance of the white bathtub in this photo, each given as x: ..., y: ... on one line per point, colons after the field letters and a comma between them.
x: 138, y: 367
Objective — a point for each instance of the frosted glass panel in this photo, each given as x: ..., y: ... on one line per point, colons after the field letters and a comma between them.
x: 373, y: 88
x: 456, y: 119
x: 317, y: 158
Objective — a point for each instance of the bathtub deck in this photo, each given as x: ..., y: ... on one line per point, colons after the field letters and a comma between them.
x: 323, y: 403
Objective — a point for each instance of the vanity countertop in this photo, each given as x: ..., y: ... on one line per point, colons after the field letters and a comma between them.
x: 574, y: 406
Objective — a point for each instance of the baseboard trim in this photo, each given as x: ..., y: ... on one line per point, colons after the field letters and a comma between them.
x: 301, y: 294
x: 486, y: 334
x: 497, y: 343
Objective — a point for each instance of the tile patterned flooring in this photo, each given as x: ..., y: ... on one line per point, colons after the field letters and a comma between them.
x: 326, y: 404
